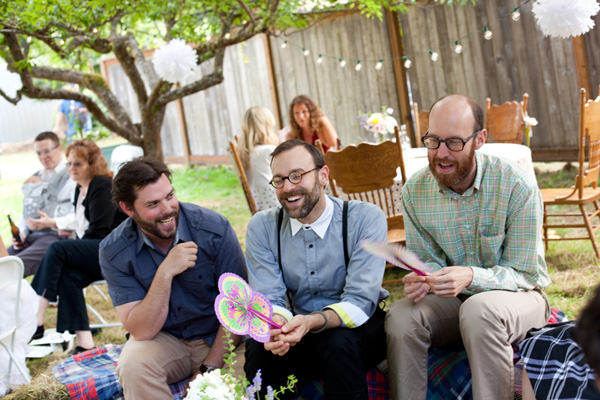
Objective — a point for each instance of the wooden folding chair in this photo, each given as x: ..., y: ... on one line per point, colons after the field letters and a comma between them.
x: 366, y: 172
x: 505, y: 123
x: 421, y: 123
x: 241, y: 174
x: 586, y: 190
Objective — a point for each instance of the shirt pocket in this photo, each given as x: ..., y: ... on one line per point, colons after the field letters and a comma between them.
x: 200, y: 282
x: 491, y: 249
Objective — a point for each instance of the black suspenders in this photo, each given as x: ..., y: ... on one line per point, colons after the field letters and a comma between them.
x: 344, y: 237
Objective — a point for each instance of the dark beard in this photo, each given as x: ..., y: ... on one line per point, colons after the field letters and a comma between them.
x: 310, y: 201
x: 153, y: 229
x: 461, y: 172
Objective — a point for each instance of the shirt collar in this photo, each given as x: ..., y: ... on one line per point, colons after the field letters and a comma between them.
x: 320, y: 225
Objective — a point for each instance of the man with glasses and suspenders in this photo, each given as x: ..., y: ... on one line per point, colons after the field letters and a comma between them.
x: 325, y: 289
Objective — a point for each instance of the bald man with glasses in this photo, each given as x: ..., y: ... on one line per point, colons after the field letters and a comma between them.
x: 48, y: 212
x: 325, y: 289
x: 476, y: 220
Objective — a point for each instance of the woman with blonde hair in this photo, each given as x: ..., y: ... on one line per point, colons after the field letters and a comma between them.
x: 69, y: 265
x: 257, y: 142
x: 308, y: 123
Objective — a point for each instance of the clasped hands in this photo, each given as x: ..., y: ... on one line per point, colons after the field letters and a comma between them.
x: 291, y: 332
x: 447, y: 282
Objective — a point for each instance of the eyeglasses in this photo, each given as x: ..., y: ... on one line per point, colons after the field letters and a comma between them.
x: 453, y: 143
x: 76, y: 164
x: 45, y: 151
x: 295, y: 178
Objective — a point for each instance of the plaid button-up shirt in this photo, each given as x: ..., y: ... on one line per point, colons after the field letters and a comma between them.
x: 494, y: 227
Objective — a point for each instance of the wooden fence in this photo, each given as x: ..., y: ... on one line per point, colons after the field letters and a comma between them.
x: 516, y: 60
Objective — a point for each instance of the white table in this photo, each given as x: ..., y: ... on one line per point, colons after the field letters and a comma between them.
x: 416, y: 158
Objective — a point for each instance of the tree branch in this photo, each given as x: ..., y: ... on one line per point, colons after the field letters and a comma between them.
x: 245, y: 7
x: 13, y: 100
x: 129, y: 67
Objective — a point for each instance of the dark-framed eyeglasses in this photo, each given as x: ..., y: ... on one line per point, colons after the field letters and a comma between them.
x: 453, y: 143
x: 295, y: 178
x: 45, y: 151
x: 75, y: 164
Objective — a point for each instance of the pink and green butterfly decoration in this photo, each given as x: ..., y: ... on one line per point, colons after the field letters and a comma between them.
x: 243, y: 311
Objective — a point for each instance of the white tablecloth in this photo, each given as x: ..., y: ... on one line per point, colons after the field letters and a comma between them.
x: 415, y: 159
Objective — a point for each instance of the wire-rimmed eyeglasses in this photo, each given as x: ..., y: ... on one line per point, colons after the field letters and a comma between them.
x: 453, y: 143
x: 295, y: 177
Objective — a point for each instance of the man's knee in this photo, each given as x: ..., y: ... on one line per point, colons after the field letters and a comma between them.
x: 401, y: 317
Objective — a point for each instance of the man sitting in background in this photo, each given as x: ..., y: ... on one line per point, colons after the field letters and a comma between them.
x: 48, y: 212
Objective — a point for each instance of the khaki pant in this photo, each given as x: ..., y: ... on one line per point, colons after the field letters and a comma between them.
x: 146, y: 368
x: 488, y: 324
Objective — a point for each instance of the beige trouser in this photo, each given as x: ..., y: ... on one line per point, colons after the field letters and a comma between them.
x: 146, y: 368
x: 488, y: 323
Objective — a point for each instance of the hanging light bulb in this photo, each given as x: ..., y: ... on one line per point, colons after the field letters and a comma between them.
x: 407, y: 62
x: 306, y: 51
x: 433, y: 55
x: 208, y: 37
x: 228, y: 35
x: 61, y: 41
x: 342, y: 62
x: 516, y: 15
x: 458, y: 47
x: 320, y: 59
x: 284, y: 45
x: 379, y: 65
x: 28, y: 39
x: 487, y: 34
x: 124, y: 31
x: 358, y: 66
x: 154, y: 39
x: 95, y: 30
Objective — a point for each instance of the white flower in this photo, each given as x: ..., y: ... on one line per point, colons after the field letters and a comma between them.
x: 175, y: 61
x: 560, y: 18
x: 210, y: 386
x: 530, y: 121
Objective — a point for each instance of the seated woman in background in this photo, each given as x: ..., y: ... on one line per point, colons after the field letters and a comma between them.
x: 560, y: 361
x: 71, y: 264
x: 257, y: 142
x: 308, y: 123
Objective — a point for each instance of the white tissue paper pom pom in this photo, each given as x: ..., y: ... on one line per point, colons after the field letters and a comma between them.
x: 175, y: 61
x: 560, y: 18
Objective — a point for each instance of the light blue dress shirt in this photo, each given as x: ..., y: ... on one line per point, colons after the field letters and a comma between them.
x: 313, y: 262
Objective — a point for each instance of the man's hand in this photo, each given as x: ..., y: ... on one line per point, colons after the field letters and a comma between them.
x: 33, y: 179
x: 43, y: 222
x: 276, y: 345
x: 16, y: 244
x: 450, y: 281
x: 180, y: 258
x: 415, y: 287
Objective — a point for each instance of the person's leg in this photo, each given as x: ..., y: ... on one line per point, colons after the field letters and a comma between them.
x: 412, y: 328
x: 80, y: 268
x: 490, y: 323
x: 146, y: 368
x: 274, y: 369
x: 344, y: 355
x: 32, y: 255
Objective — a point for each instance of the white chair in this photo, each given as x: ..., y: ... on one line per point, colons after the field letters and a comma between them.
x: 11, y: 272
x: 103, y: 323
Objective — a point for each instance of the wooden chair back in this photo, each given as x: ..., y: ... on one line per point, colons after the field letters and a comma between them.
x: 589, y: 143
x: 421, y: 122
x: 366, y: 172
x: 504, y: 123
x: 241, y: 174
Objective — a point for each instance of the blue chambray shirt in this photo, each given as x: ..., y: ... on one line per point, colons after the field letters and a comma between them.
x: 129, y: 266
x: 314, y: 267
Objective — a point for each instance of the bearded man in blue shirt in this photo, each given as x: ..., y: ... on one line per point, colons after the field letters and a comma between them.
x: 325, y: 289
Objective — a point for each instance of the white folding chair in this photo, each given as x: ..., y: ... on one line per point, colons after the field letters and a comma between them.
x: 103, y: 323
x: 11, y: 272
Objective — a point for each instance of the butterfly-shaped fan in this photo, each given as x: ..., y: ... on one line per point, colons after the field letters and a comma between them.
x: 398, y: 255
x: 243, y: 311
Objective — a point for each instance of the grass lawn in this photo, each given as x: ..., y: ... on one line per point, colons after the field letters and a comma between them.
x: 572, y: 265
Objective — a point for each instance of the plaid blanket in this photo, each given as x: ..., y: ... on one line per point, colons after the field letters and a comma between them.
x: 92, y: 375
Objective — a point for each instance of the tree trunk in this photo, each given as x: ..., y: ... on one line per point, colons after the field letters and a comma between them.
x: 151, y: 140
